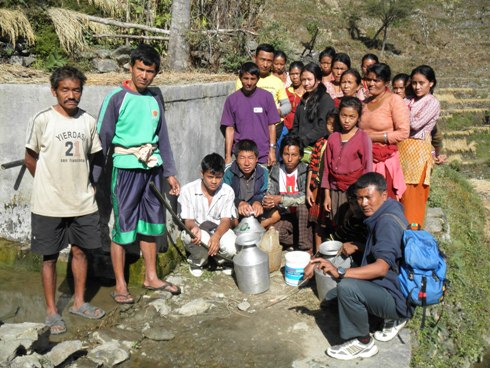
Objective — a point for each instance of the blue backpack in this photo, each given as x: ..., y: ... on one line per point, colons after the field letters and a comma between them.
x: 422, y: 273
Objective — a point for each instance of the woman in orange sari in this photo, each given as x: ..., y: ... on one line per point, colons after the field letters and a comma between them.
x: 415, y: 152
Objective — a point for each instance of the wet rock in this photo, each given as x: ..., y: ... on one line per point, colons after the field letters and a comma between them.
x: 161, y: 307
x: 84, y: 362
x: 63, y: 351
x: 126, y: 338
x: 8, y: 351
x: 26, y: 337
x: 108, y: 354
x: 243, y: 306
x: 160, y: 294
x: 29, y: 361
x: 158, y: 333
x: 145, y: 315
x: 105, y: 65
x: 195, y: 307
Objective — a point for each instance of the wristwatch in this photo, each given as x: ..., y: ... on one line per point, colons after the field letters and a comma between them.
x: 341, y: 272
x: 272, y: 146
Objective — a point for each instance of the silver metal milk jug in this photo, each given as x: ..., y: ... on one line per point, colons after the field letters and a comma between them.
x: 251, y: 268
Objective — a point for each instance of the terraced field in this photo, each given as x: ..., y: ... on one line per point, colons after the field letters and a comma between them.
x: 465, y: 123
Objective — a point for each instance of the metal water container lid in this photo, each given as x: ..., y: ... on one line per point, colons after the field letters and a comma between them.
x: 249, y: 225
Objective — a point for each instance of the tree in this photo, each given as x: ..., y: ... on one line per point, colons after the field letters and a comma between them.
x: 178, y: 46
x: 390, y: 13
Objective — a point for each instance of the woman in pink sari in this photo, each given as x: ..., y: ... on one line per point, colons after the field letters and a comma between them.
x: 386, y: 119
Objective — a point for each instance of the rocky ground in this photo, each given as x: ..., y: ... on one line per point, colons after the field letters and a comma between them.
x: 211, y: 324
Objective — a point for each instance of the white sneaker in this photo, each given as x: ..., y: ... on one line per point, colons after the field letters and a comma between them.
x: 390, y: 330
x: 353, y: 349
x: 195, y: 271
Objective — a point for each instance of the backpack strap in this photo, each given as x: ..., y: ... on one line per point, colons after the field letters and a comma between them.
x: 398, y: 220
x: 402, y: 225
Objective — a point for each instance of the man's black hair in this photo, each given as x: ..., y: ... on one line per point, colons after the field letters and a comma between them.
x: 371, y: 178
x: 246, y: 145
x: 264, y: 47
x: 213, y: 163
x: 147, y: 54
x: 66, y: 72
x: 249, y: 67
x: 291, y: 140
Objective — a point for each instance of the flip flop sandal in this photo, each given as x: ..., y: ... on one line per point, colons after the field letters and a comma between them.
x: 88, y: 311
x: 127, y: 298
x: 168, y: 286
x: 56, y: 324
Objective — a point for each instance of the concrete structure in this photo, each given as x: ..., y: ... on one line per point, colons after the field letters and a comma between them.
x: 193, y: 113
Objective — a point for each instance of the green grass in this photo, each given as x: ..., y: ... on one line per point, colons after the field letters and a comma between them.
x: 459, y: 336
x: 462, y: 121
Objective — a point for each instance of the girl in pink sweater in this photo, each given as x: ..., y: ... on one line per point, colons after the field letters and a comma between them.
x: 348, y: 155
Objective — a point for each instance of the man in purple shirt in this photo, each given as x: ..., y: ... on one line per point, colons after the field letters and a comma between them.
x: 250, y: 113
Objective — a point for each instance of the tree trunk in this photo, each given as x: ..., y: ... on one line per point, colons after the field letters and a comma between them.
x: 178, y: 47
x: 385, y: 34
x: 378, y: 32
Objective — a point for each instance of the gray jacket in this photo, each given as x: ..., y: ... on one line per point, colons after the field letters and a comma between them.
x: 289, y: 200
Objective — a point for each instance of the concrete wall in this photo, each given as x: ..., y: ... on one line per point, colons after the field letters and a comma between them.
x: 192, y: 112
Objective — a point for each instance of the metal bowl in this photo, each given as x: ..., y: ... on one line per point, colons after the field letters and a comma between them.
x: 330, y: 247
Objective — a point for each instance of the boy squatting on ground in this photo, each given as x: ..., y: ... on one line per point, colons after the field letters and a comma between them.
x: 208, y: 203
x: 61, y: 140
x: 248, y: 179
x: 132, y: 121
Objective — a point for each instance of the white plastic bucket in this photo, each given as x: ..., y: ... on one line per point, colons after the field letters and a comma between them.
x: 295, y: 266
